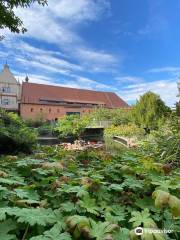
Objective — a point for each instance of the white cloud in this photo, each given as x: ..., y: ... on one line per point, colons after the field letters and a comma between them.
x: 96, y: 56
x: 167, y: 89
x: 92, y: 84
x: 41, y: 66
x: 96, y: 60
x: 29, y: 49
x: 129, y: 79
x: 33, y: 78
x: 31, y: 57
x: 76, y: 82
x: 56, y: 23
x: 42, y: 25
x: 59, y: 24
x: 3, y: 54
x: 82, y: 10
x: 168, y: 69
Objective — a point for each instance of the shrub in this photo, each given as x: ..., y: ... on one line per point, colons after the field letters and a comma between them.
x: 72, y: 126
x: 45, y: 129
x: 164, y: 144
x: 116, y: 116
x: 129, y: 130
x: 15, y: 136
x: 122, y: 117
x: 178, y: 108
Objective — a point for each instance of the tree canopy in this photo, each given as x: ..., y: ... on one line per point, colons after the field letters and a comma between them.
x: 72, y: 125
x: 178, y: 102
x: 178, y: 85
x: 8, y: 18
x: 116, y: 116
x: 149, y: 111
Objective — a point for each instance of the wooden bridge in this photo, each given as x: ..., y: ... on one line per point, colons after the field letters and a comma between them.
x: 125, y: 141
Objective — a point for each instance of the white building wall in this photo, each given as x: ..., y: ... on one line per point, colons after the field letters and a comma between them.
x: 10, y: 90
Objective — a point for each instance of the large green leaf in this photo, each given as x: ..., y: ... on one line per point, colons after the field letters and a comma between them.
x: 89, y: 204
x: 5, y: 228
x: 53, y: 234
x: 68, y: 207
x: 31, y: 216
x: 143, y: 217
x: 101, y: 230
x: 27, y: 194
x: 122, y: 234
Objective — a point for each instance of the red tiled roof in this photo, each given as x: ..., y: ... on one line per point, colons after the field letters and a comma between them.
x: 35, y: 93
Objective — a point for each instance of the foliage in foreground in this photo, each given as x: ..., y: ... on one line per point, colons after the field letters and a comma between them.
x: 15, y: 136
x: 59, y: 195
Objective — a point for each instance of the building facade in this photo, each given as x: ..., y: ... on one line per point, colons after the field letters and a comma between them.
x: 10, y: 90
x: 52, y: 102
x: 38, y: 101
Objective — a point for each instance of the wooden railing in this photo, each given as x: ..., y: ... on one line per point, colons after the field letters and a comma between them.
x: 99, y: 124
x: 125, y: 141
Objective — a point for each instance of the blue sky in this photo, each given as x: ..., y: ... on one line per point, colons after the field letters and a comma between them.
x: 125, y: 46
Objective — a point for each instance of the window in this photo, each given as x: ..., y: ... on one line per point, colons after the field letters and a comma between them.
x: 72, y: 113
x: 32, y: 109
x: 5, y: 101
x: 6, y: 89
x: 41, y: 109
x: 49, y: 110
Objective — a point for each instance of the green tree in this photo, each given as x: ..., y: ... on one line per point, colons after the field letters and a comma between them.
x: 8, y: 18
x: 178, y: 85
x: 178, y: 108
x: 178, y: 103
x: 72, y: 125
x: 150, y: 111
x: 116, y: 116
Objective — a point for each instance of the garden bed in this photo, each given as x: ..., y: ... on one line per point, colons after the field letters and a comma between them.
x: 54, y: 194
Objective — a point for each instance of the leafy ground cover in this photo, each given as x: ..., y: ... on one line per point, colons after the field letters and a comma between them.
x: 59, y: 195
